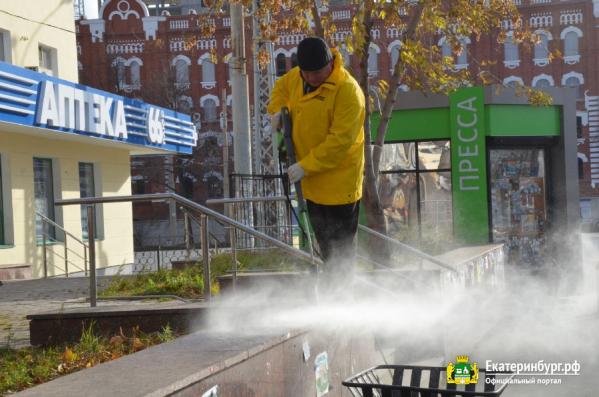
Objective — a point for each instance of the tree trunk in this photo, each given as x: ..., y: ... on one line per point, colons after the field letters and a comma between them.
x: 318, y: 29
x: 372, y: 204
x: 391, y: 97
x: 375, y: 218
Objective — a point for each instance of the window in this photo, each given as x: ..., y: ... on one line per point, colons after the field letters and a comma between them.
x: 511, y: 50
x: 181, y: 72
x: 513, y: 81
x: 87, y: 189
x: 135, y: 74
x: 571, y: 44
x: 5, y: 49
x: 394, y: 57
x: 445, y: 50
x: 541, y: 51
x: 184, y: 104
x: 543, y: 83
x: 571, y: 36
x: 47, y: 60
x: 345, y: 55
x: 511, y: 58
x: 373, y: 60
x: 208, y: 75
x: 281, y: 62
x: 209, y: 110
x: 578, y: 127
x: 580, y: 169
x: 294, y: 60
x: 461, y: 61
x: 229, y: 68
x: 415, y: 190
x: 138, y: 184
x: 574, y: 83
x: 120, y: 71
x: 43, y: 186
x: 463, y: 55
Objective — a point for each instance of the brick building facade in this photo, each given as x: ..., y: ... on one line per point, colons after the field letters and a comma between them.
x: 166, y: 60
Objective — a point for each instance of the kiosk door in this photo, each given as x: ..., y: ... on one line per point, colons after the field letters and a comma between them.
x: 518, y: 202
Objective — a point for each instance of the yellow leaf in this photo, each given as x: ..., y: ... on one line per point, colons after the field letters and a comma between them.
x: 137, y: 344
x: 69, y: 356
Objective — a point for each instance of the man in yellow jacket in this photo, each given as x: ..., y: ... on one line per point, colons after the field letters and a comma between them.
x: 327, y: 110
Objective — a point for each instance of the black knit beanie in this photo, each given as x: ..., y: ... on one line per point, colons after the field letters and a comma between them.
x: 313, y: 54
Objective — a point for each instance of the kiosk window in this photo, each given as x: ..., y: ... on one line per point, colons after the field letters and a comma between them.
x: 415, y: 191
x: 44, y: 195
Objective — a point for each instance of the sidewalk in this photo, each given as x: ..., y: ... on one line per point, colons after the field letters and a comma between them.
x: 19, y: 298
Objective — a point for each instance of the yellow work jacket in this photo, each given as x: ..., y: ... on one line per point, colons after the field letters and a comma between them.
x: 328, y: 133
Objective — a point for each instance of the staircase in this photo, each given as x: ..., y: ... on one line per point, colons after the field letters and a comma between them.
x: 592, y: 106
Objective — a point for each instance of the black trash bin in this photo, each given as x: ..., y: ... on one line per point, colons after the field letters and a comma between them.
x: 421, y: 381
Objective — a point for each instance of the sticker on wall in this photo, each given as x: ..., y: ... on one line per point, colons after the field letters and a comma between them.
x: 306, y: 349
x: 213, y: 392
x: 321, y: 372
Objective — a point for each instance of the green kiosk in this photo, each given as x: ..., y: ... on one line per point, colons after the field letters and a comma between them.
x: 480, y: 166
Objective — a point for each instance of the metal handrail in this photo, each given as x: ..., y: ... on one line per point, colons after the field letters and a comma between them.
x: 234, y: 200
x: 182, y: 201
x: 193, y: 205
x: 46, y: 220
x: 411, y: 249
x: 50, y: 221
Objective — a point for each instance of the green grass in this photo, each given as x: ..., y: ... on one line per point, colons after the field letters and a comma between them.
x: 188, y: 283
x: 23, y: 368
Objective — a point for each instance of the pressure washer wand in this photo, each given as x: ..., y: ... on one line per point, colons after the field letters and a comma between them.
x: 301, y: 203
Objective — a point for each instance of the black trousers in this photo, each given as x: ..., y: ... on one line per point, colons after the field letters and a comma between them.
x: 335, y: 227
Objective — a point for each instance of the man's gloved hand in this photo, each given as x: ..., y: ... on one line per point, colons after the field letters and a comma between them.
x: 275, y: 121
x: 295, y: 173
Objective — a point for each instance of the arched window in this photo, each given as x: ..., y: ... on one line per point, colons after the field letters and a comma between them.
x: 373, y: 60
x: 121, y: 72
x: 462, y: 58
x: 542, y: 83
x: 580, y: 169
x: 294, y: 59
x: 542, y: 47
x: 227, y: 60
x: 511, y: 50
x: 445, y: 49
x: 571, y: 44
x: 184, y: 104
x: 209, y: 106
x: 394, y: 56
x: 513, y: 81
x: 345, y: 55
x: 281, y: 63
x: 181, y: 72
x: 461, y: 61
x: 135, y: 74
x: 574, y: 82
x: 208, y: 74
